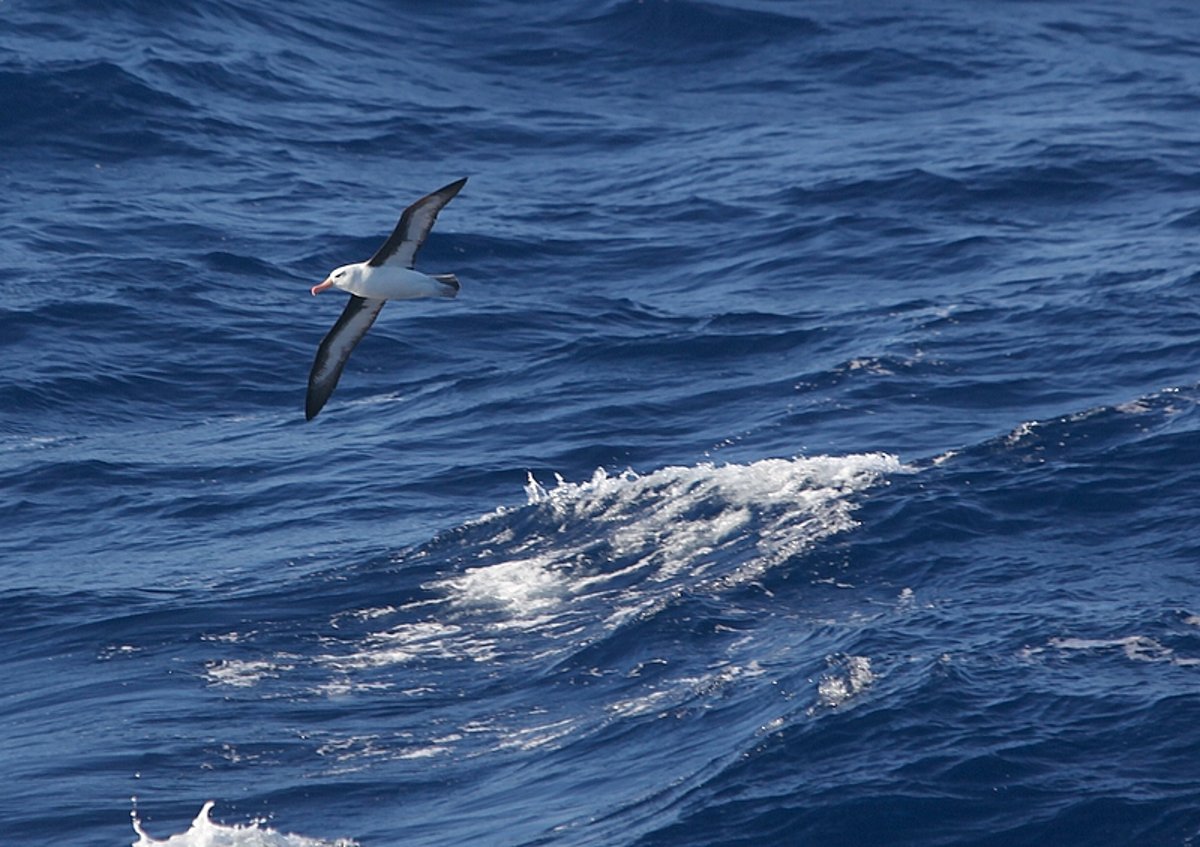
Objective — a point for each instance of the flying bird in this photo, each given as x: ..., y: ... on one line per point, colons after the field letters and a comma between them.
x: 388, y: 275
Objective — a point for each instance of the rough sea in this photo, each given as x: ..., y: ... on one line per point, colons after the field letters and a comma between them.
x: 812, y: 456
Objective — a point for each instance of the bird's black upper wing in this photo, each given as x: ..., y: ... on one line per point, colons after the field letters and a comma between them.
x: 414, y: 226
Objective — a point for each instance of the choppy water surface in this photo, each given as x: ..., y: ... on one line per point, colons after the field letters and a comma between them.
x: 809, y: 458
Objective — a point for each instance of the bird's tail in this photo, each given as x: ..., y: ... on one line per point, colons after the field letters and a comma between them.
x: 451, y: 283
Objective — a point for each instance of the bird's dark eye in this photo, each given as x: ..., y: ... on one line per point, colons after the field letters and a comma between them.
x: 339, y: 274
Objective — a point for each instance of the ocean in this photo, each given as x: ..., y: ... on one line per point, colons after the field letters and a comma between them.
x: 810, y: 458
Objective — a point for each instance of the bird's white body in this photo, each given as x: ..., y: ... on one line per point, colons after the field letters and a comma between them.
x: 388, y: 275
x: 389, y: 282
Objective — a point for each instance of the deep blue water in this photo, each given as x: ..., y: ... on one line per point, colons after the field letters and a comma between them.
x: 811, y: 456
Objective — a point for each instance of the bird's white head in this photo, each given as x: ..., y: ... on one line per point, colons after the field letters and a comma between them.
x: 338, y: 278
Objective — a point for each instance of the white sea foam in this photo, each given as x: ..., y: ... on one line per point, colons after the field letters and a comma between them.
x: 848, y: 677
x: 533, y: 737
x: 685, y: 691
x: 34, y: 442
x: 238, y: 673
x: 521, y: 587
x: 627, y: 541
x: 1136, y: 648
x: 408, y: 642
x: 204, y: 833
x: 608, y: 550
x: 676, y: 519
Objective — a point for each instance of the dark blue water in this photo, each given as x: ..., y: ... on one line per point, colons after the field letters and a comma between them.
x: 811, y: 456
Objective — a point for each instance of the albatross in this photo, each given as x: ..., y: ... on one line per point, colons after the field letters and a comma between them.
x: 388, y: 275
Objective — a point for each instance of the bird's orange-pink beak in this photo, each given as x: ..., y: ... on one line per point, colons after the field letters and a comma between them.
x: 317, y: 289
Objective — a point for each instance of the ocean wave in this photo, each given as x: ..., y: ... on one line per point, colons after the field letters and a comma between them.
x: 938, y: 259
x: 582, y: 560
x: 692, y: 31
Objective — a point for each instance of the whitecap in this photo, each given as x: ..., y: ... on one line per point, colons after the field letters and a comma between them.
x: 676, y: 519
x: 204, y: 833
